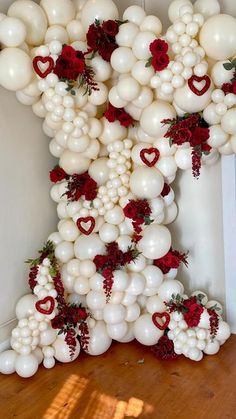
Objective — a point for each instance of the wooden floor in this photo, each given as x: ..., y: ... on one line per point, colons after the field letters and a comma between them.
x: 126, y: 382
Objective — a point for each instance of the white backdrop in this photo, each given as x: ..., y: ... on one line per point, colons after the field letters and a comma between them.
x: 25, y: 196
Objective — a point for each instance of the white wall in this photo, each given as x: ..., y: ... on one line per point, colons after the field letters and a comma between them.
x: 27, y: 215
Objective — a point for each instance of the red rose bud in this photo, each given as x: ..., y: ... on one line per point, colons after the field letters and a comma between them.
x: 158, y: 47
x: 57, y: 175
x: 159, y: 62
x: 110, y: 27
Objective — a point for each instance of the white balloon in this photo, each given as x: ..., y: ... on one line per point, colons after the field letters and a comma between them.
x: 152, y: 116
x: 188, y: 101
x: 122, y: 60
x: 223, y: 332
x: 112, y: 131
x: 152, y: 24
x: 47, y: 337
x: 141, y: 73
x: 99, y: 97
x: 98, y: 9
x: 81, y: 285
x: 64, y: 251
x: 155, y: 305
x: 174, y: 9
x: 129, y: 299
x: 99, y: 171
x: 141, y: 45
x: 96, y: 300
x: 168, y: 288
x: 73, y: 162
x: 218, y: 37
x: 99, y: 341
x: 101, y: 68
x: 138, y: 264
x: 136, y: 284
x: 62, y: 350
x: 12, y: 32
x: 127, y: 33
x: 183, y: 158
x: 133, y: 312
x: 121, y: 280
x: 56, y: 33
x: 146, y: 182
x: 218, y: 136
x: 58, y: 13
x: 26, y: 365
x: 128, y: 89
x: 118, y: 330
x: 87, y: 247
x: 25, y: 307
x: 96, y: 282
x: 220, y: 75
x: 129, y: 337
x: 156, y: 241
x: 7, y: 362
x: 114, y: 216
x: 153, y: 276
x: 228, y: 123
x: 75, y: 31
x: 145, y: 331
x: 69, y: 231
x: 134, y: 14
x: 114, y: 313
x: 212, y: 347
x: 15, y: 69
x: 33, y: 16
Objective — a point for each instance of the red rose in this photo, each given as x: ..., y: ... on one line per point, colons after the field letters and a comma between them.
x: 234, y: 87
x: 164, y: 349
x: 57, y: 175
x: 100, y: 261
x: 107, y: 273
x: 227, y: 88
x: 68, y: 52
x: 110, y: 27
x: 130, y: 210
x: 182, y: 136
x: 125, y: 119
x: 111, y: 113
x: 192, y: 317
x: 206, y: 148
x: 78, y: 64
x: 93, y: 36
x: 158, y: 47
x: 58, y: 322
x: 159, y: 62
x: 106, y: 50
x: 72, y: 315
x: 82, y: 313
x: 199, y: 135
x: 166, y: 190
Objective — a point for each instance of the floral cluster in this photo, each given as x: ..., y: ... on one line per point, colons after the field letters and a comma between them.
x: 81, y: 185
x: 164, y: 349
x: 58, y: 174
x: 101, y: 38
x: 191, y: 129
x: 69, y: 317
x: 192, y: 309
x: 113, y: 114
x: 171, y: 260
x: 159, y: 59
x: 139, y: 212
x: 71, y: 67
x: 113, y: 260
x: 230, y: 87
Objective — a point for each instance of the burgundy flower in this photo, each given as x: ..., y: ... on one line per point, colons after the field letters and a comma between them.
x: 166, y: 190
x: 159, y: 62
x: 130, y: 210
x: 164, y: 349
x: 192, y: 317
x: 125, y: 119
x: 206, y: 148
x: 58, y: 322
x: 183, y: 135
x: 158, y: 47
x: 82, y: 313
x: 234, y: 87
x: 68, y: 52
x: 106, y: 50
x: 93, y: 36
x: 110, y: 27
x: 57, y: 174
x: 227, y: 88
x: 199, y: 135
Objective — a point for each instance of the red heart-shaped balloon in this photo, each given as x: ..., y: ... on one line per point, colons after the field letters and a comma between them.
x: 147, y: 152
x: 163, y: 316
x: 44, y: 60
x: 42, y: 305
x: 86, y: 220
x: 198, y: 79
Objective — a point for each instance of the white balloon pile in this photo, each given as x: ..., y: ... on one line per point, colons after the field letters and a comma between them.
x: 117, y: 158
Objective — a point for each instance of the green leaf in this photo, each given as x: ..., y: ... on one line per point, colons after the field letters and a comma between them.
x: 234, y: 62
x: 149, y: 62
x: 60, y: 332
x: 228, y: 66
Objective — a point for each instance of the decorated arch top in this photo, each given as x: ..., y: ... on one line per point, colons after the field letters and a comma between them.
x: 124, y: 105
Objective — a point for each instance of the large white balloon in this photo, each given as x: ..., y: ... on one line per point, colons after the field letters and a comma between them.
x: 188, y: 101
x: 58, y: 12
x: 156, y: 241
x: 168, y: 288
x: 153, y: 115
x: 87, y: 247
x: 99, y: 171
x: 73, y: 162
x: 146, y: 182
x: 99, y: 341
x: 98, y: 9
x: 7, y: 362
x: 218, y: 37
x: 34, y: 18
x: 62, y: 350
x: 145, y: 331
x: 12, y: 32
x: 26, y: 365
x: 15, y: 69
x: 25, y: 306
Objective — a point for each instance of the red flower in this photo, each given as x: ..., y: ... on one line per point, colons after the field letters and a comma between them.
x: 99, y: 261
x: 234, y: 87
x: 93, y: 36
x: 199, y: 135
x: 130, y: 210
x: 164, y: 349
x: 206, y: 148
x: 110, y: 27
x: 159, y: 62
x: 111, y: 113
x: 106, y: 50
x: 125, y: 119
x: 158, y: 47
x: 227, y: 88
x: 57, y: 175
x: 192, y: 317
x: 166, y: 190
x: 69, y: 64
x: 171, y: 260
x: 58, y: 322
x: 182, y: 136
x: 82, y: 313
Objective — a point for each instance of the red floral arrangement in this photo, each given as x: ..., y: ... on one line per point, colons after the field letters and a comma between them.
x: 113, y: 114
x: 71, y: 67
x: 112, y: 261
x: 171, y: 260
x: 192, y: 308
x: 58, y: 174
x: 69, y: 316
x: 230, y: 87
x: 164, y: 349
x: 194, y: 130
x: 139, y: 212
x: 101, y: 38
x: 159, y: 59
x: 81, y: 185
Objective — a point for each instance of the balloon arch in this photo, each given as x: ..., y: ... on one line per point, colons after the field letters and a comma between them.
x: 125, y: 107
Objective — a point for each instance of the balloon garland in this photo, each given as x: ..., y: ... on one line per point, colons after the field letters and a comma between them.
x: 125, y: 106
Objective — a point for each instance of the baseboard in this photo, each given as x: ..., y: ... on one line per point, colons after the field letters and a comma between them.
x: 5, y: 333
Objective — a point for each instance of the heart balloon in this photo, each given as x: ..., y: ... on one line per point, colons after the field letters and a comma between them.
x: 43, y: 307
x: 86, y: 220
x: 43, y: 60
x: 163, y: 317
x: 145, y: 152
x: 197, y: 79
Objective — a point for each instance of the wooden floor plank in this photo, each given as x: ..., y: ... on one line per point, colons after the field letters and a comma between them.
x: 117, y: 385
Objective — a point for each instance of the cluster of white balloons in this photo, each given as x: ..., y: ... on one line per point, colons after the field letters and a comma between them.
x: 193, y: 342
x: 84, y: 140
